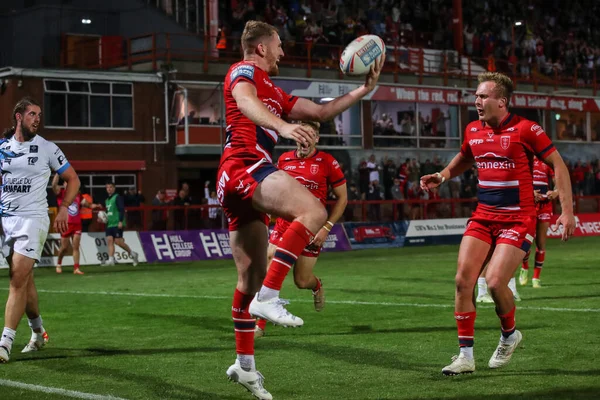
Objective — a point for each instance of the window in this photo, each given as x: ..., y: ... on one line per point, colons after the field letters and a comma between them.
x: 84, y: 104
x: 408, y: 125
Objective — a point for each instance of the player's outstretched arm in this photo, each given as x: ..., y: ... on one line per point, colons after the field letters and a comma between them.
x: 457, y: 166
x: 250, y: 105
x: 306, y: 110
x: 562, y: 183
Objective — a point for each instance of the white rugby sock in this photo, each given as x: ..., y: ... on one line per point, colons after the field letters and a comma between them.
x: 512, y: 285
x: 467, y: 351
x: 481, y: 287
x: 246, y: 362
x: 8, y: 337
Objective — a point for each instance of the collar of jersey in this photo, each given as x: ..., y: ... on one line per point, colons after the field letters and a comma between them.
x: 507, y: 122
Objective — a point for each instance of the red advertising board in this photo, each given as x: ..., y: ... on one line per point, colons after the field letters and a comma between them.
x: 586, y: 225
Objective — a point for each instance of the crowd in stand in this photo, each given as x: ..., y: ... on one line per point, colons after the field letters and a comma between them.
x: 389, y: 179
x: 553, y: 36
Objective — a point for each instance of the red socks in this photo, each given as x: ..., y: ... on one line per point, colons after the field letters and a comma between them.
x: 261, y: 323
x: 508, y: 322
x: 465, y: 323
x: 526, y: 261
x: 540, y: 255
x: 243, y: 323
x: 293, y: 241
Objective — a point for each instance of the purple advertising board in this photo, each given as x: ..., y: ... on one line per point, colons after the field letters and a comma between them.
x: 167, y: 246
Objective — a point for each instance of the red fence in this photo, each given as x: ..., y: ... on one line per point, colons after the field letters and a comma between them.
x: 409, y: 59
x: 146, y: 218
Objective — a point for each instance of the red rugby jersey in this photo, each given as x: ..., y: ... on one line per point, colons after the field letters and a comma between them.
x: 245, y: 139
x: 504, y: 159
x: 316, y: 173
x: 542, y: 175
x: 73, y: 209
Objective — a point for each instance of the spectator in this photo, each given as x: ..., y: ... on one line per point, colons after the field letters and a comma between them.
x: 179, y: 216
x: 134, y: 198
x: 214, y: 213
x: 159, y: 217
x: 389, y: 173
x: 374, y: 194
x: 363, y: 177
x: 397, y: 192
x: 353, y: 195
x: 373, y: 169
x: 86, y: 212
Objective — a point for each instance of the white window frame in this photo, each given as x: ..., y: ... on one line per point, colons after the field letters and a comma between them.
x: 89, y: 93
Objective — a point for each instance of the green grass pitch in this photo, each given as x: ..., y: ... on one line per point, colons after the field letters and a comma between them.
x: 164, y: 331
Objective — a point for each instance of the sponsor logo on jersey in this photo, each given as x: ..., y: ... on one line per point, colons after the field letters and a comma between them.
x: 473, y: 142
x: 274, y: 106
x: 32, y: 160
x: 473, y: 129
x: 33, y: 148
x: 491, y: 160
x: 511, y: 129
x: 310, y: 185
x: 289, y: 167
x: 510, y: 234
x: 505, y: 142
x: 535, y: 128
x: 490, y: 134
x: 242, y: 70
x: 539, y: 132
x: 61, y: 159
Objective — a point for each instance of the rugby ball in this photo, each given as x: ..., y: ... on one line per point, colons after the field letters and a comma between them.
x: 360, y: 54
x: 102, y: 217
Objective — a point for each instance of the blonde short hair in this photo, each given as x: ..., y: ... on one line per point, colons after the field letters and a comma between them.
x: 504, y: 85
x: 312, y: 124
x: 253, y: 32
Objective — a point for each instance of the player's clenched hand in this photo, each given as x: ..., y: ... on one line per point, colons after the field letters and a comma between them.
x: 538, y: 197
x: 299, y: 133
x: 431, y: 181
x: 568, y: 223
x: 374, y: 72
x: 320, y: 238
x: 61, y: 220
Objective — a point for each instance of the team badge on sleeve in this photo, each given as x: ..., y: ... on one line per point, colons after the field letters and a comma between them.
x: 246, y: 71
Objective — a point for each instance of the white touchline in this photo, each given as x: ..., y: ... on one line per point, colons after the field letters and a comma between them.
x: 62, y: 392
x: 351, y: 302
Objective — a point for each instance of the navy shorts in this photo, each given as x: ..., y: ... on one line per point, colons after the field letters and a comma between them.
x: 114, y: 232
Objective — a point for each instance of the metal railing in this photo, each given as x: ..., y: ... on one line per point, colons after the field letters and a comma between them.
x: 159, y: 218
x: 163, y: 47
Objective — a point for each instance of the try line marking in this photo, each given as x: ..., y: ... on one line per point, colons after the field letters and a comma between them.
x: 350, y: 302
x: 62, y: 392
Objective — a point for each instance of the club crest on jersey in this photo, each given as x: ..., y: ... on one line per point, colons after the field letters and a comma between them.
x: 314, y: 168
x: 33, y: 148
x: 505, y: 142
